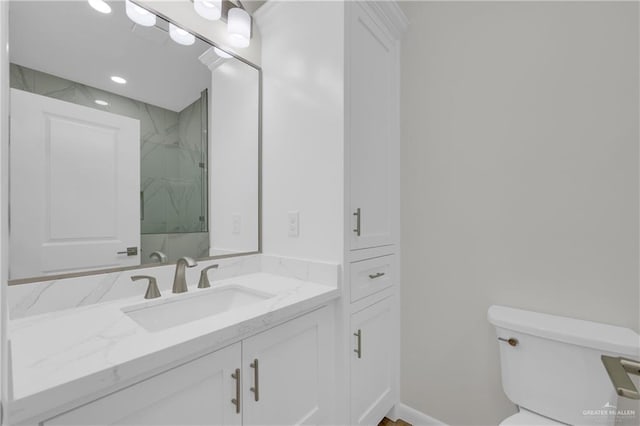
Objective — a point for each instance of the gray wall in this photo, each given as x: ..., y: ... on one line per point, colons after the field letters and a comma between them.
x: 520, y: 184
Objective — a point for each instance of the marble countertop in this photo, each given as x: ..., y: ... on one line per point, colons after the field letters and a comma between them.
x: 75, y: 355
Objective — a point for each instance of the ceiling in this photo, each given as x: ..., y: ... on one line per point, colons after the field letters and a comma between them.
x: 70, y: 39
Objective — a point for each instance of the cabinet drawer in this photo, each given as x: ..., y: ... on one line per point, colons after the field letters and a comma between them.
x: 371, y: 276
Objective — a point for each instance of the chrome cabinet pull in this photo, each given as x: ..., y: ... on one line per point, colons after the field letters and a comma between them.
x: 236, y: 401
x: 358, y: 350
x: 377, y: 275
x: 358, y: 216
x: 255, y: 389
x: 619, y: 369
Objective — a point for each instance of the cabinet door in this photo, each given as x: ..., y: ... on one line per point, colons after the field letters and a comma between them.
x: 196, y: 393
x: 286, y: 373
x: 372, y: 129
x: 372, y: 384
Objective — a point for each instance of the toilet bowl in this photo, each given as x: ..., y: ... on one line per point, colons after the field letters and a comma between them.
x: 552, y: 370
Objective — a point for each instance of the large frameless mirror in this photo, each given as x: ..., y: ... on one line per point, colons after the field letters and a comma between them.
x: 126, y: 140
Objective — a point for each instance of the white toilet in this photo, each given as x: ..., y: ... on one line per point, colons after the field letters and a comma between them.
x: 551, y: 368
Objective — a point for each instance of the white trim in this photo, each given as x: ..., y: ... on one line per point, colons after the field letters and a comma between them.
x: 5, y: 379
x: 413, y: 416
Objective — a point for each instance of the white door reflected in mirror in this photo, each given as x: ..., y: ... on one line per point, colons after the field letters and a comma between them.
x: 75, y: 175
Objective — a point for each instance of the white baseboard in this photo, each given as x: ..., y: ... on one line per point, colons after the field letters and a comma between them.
x: 413, y: 416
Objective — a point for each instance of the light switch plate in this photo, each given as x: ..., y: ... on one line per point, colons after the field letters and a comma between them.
x: 294, y: 224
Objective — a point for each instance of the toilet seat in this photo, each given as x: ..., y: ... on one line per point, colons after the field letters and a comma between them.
x: 527, y: 418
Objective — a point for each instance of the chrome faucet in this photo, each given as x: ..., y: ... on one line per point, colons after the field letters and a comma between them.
x: 159, y: 256
x: 179, y: 281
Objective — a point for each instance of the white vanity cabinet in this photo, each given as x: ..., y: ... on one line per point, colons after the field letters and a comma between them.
x: 372, y: 198
x: 195, y: 393
x: 372, y: 112
x: 287, y: 373
x: 282, y: 376
x: 372, y: 390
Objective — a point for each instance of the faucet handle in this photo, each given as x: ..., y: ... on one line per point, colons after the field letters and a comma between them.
x: 152, y: 288
x: 204, y: 278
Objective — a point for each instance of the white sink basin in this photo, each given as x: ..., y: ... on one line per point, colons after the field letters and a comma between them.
x: 181, y: 309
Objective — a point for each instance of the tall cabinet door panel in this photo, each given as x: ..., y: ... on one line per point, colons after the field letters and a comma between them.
x: 286, y: 375
x: 196, y: 393
x: 371, y: 128
x: 372, y: 381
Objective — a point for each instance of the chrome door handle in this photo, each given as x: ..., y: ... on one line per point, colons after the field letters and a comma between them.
x: 236, y: 401
x: 358, y: 216
x: 377, y: 275
x: 130, y: 251
x: 619, y: 369
x: 256, y: 387
x: 358, y: 349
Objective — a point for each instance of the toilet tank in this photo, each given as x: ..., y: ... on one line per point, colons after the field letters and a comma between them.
x: 555, y: 368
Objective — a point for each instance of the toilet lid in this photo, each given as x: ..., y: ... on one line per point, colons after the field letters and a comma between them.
x: 527, y: 418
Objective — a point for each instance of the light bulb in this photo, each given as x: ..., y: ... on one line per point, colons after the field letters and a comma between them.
x: 181, y: 36
x: 100, y: 5
x: 139, y: 15
x: 208, y: 9
x: 239, y: 27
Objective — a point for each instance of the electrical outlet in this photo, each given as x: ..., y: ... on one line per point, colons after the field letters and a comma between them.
x: 294, y: 224
x: 237, y: 224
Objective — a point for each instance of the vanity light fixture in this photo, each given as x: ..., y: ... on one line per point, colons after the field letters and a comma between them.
x: 239, y: 27
x: 222, y: 53
x: 101, y: 102
x: 100, y: 5
x: 118, y: 79
x: 137, y: 14
x: 208, y: 9
x: 181, y: 36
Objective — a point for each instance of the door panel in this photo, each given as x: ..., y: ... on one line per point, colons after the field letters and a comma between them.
x: 196, y: 393
x: 75, y: 182
x: 371, y: 84
x: 292, y: 373
x: 372, y: 389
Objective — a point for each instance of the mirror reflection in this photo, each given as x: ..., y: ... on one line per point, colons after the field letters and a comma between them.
x: 126, y: 140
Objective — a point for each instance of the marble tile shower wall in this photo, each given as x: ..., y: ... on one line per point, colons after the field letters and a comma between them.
x: 170, y: 152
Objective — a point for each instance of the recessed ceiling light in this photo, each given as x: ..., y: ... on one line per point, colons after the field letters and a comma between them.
x: 100, y: 5
x: 118, y: 79
x: 101, y: 102
x: 222, y: 53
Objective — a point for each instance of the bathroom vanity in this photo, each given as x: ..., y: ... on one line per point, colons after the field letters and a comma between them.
x: 266, y: 356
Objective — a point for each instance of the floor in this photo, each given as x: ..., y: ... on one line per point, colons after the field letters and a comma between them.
x: 387, y: 422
